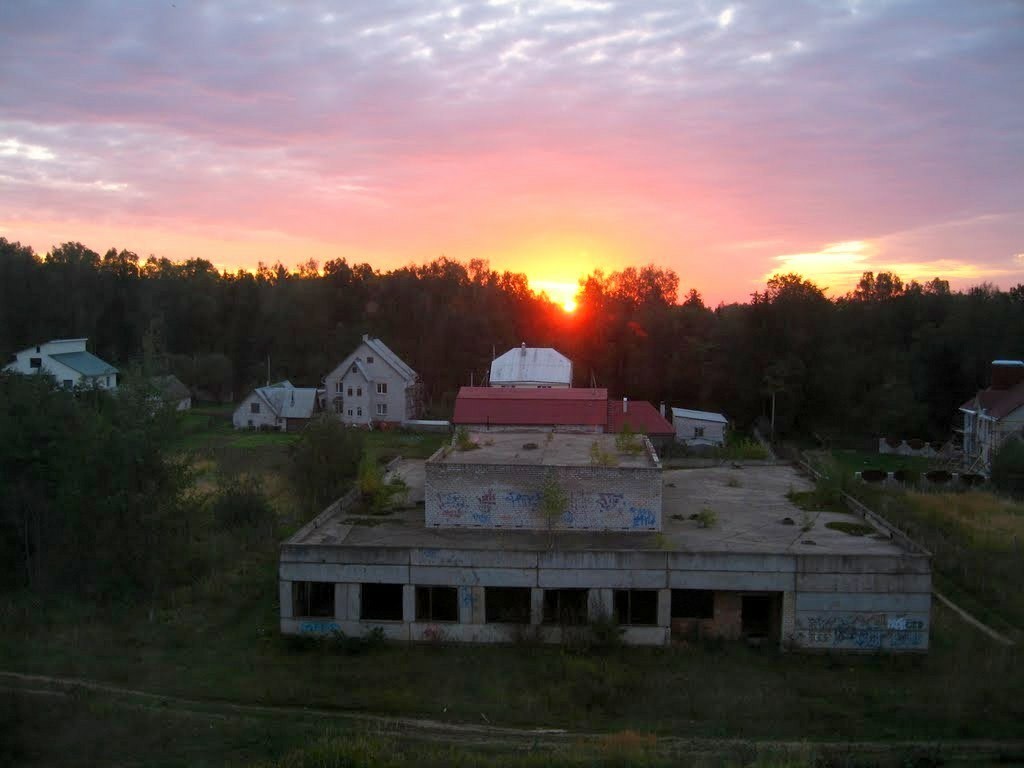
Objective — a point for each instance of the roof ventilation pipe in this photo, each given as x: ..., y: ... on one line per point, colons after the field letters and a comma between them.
x: 625, y: 405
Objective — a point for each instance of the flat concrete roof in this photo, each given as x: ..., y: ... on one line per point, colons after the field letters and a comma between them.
x: 750, y: 506
x: 551, y: 449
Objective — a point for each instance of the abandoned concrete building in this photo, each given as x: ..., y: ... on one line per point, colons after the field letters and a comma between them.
x: 537, y: 536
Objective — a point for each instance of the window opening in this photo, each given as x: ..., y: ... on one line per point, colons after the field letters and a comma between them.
x: 507, y: 605
x: 437, y: 604
x: 381, y: 602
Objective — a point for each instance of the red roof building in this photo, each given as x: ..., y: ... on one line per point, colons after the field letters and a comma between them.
x: 583, y: 409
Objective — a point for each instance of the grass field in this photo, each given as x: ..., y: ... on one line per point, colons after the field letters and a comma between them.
x: 216, y: 640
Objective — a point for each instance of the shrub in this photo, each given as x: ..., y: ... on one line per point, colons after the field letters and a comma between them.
x: 707, y: 518
x: 240, y: 501
x: 463, y: 442
x: 323, y: 461
x: 600, y: 457
x: 1008, y: 467
x: 628, y: 441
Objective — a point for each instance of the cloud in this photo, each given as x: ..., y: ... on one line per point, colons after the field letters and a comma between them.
x: 670, y: 132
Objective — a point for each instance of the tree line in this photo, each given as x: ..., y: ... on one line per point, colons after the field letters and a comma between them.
x: 888, y: 358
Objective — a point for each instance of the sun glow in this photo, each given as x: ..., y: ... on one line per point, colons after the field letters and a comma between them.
x: 569, y: 305
x: 562, y: 294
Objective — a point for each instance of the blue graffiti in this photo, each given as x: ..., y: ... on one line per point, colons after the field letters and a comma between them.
x: 319, y: 627
x: 482, y: 518
x: 607, y: 502
x: 525, y: 499
x: 642, y: 518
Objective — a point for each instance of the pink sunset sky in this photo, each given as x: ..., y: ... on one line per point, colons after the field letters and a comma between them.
x: 725, y: 140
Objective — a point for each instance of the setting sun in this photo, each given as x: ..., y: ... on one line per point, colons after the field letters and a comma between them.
x: 569, y: 305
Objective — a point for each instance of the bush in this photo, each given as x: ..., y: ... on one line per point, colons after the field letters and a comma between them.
x: 323, y: 461
x: 627, y: 441
x: 1008, y: 467
x: 240, y: 501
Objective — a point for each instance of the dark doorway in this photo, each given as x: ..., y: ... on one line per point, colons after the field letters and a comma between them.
x: 757, y: 616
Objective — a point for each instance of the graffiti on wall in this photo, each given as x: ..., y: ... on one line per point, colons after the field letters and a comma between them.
x: 861, y: 631
x: 319, y: 627
x: 642, y: 517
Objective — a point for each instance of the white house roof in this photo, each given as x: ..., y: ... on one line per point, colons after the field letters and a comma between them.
x: 390, y: 357
x: 535, y: 364
x: 686, y: 413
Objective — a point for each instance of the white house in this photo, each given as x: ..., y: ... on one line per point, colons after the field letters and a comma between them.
x: 68, y: 362
x: 530, y: 367
x: 278, y: 406
x: 373, y: 384
x: 993, y: 414
x: 699, y: 427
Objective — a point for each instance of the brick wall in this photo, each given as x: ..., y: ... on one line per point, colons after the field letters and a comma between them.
x: 504, y: 496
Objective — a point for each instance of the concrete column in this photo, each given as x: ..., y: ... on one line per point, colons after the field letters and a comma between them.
x: 408, y: 603
x: 341, y: 601
x: 536, y: 606
x: 354, y: 602
x: 664, y: 607
x: 479, y: 609
x: 285, y: 598
x: 601, y: 604
x: 788, y: 619
x: 466, y: 605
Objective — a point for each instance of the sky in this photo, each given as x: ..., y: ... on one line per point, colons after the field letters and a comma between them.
x: 728, y: 141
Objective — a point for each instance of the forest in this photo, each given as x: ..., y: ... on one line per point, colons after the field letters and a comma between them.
x: 888, y: 358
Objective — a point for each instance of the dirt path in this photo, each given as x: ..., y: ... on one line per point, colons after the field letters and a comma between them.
x: 489, y: 735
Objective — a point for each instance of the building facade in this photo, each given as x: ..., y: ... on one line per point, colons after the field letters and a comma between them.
x: 373, y: 385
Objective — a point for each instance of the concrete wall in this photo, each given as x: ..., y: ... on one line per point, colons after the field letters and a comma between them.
x: 824, y: 602
x: 506, y: 496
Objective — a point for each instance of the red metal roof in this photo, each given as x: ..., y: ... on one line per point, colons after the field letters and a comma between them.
x: 641, y: 416
x: 515, y: 407
x: 556, y: 407
x: 997, y: 403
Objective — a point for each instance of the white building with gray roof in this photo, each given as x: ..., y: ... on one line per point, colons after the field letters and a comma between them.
x: 279, y: 406
x: 68, y: 361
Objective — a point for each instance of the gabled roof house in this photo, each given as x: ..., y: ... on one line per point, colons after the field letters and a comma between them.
x: 279, y: 406
x: 993, y: 414
x: 68, y: 362
x: 373, y: 385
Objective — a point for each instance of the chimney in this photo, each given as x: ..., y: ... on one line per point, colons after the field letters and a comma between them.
x: 522, y: 348
x: 1007, y: 373
x: 661, y: 409
x: 625, y: 405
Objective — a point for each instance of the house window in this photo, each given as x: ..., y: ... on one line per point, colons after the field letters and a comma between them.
x: 35, y: 362
x: 68, y: 383
x: 359, y: 411
x: 350, y: 391
x: 693, y: 604
x: 339, y: 387
x: 698, y: 431
x: 349, y: 411
x: 354, y: 369
x: 108, y: 381
x: 437, y: 604
x: 382, y: 409
x: 636, y: 607
x: 382, y: 388
x: 507, y: 605
x: 359, y: 391
x: 369, y: 359
x: 380, y: 602
x: 565, y: 606
x: 312, y: 598
x: 338, y: 405
x: 254, y: 407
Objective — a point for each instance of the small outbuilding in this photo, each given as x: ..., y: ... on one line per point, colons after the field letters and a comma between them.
x: 697, y: 428
x: 279, y: 406
x: 172, y: 392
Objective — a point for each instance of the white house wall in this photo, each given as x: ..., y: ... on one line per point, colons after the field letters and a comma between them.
x: 243, y: 414
x: 714, y: 431
x: 379, y: 371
